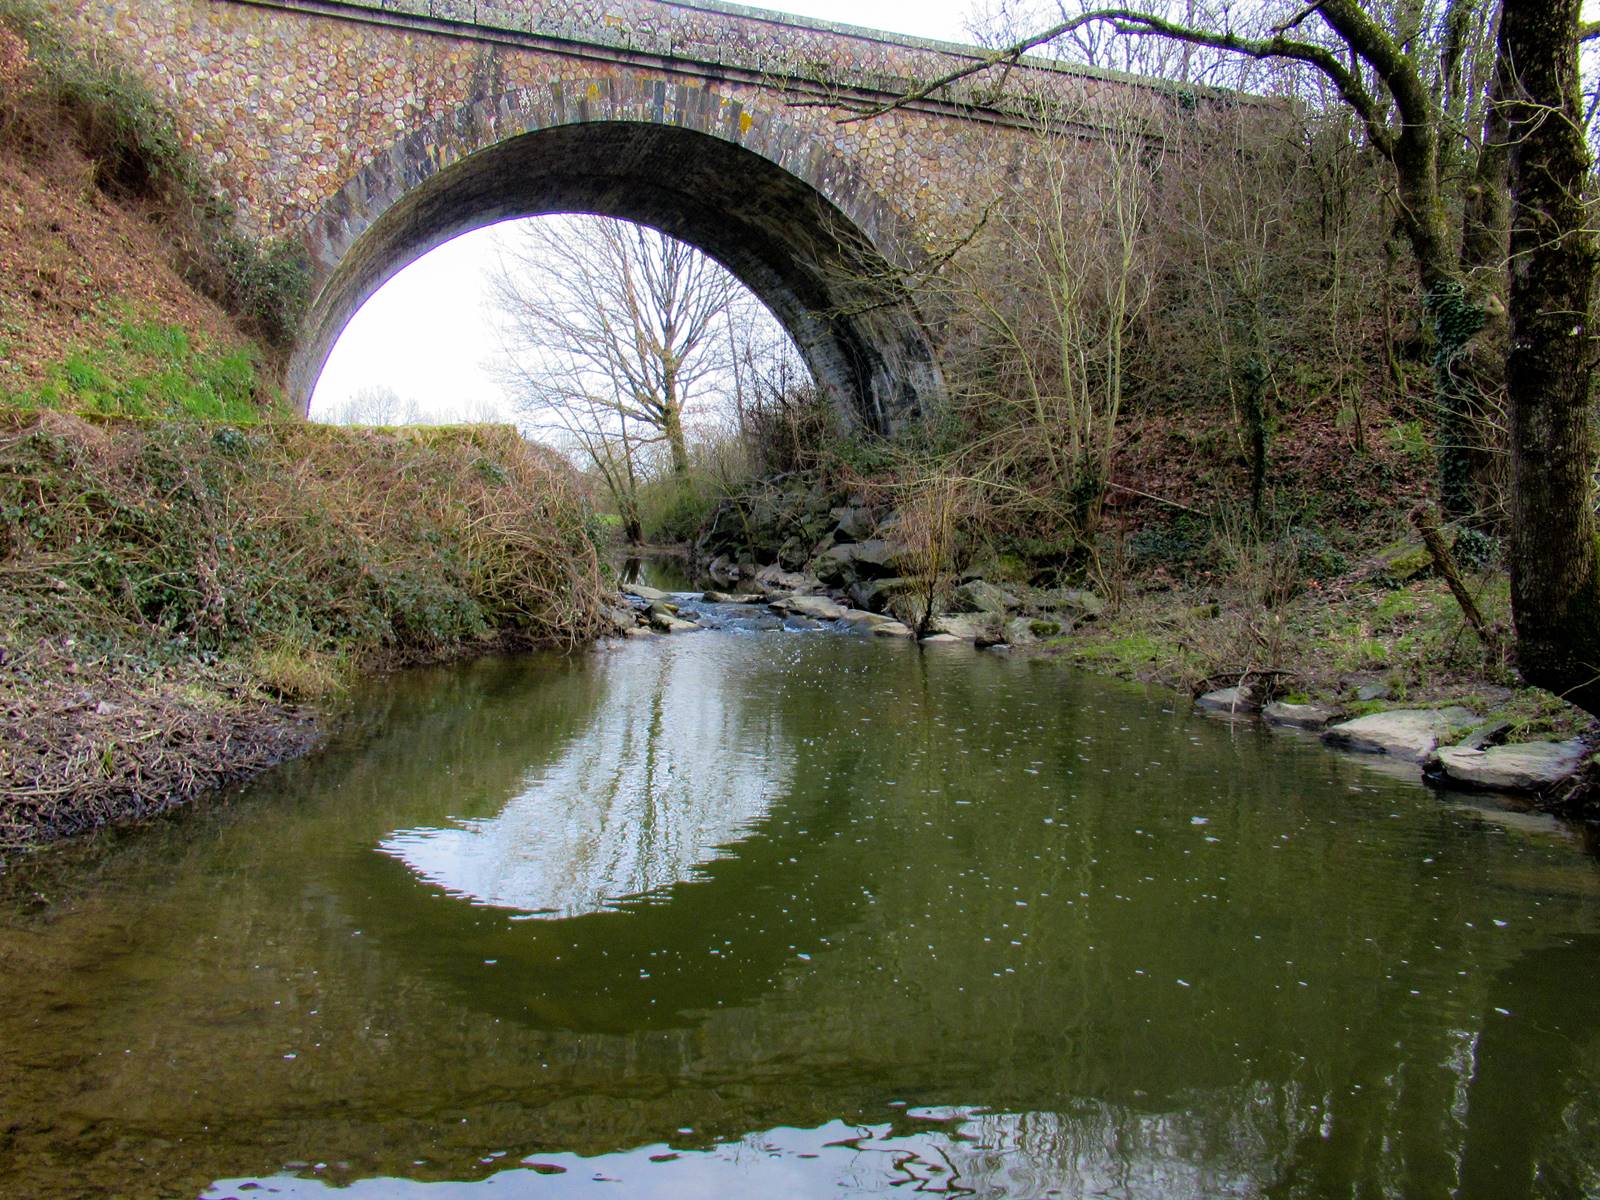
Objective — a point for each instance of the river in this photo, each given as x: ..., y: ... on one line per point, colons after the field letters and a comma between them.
x: 763, y: 913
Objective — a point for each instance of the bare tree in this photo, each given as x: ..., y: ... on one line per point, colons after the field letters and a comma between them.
x: 1415, y: 73
x: 1461, y: 141
x: 616, y: 338
x: 1047, y: 297
x: 376, y: 404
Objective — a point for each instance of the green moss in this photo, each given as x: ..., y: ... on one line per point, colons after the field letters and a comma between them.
x: 147, y: 369
x: 1400, y: 562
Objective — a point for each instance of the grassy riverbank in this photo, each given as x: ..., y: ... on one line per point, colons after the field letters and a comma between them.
x: 182, y: 599
x: 1357, y: 648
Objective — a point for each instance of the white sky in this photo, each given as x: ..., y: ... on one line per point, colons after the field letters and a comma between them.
x: 427, y: 333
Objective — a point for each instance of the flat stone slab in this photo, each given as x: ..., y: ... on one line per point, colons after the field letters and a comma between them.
x: 1299, y: 716
x: 732, y: 597
x: 870, y: 622
x: 966, y: 626
x: 892, y: 629
x: 1520, y: 767
x: 1233, y: 699
x: 941, y: 639
x: 818, y: 608
x: 1408, y: 733
x: 649, y: 595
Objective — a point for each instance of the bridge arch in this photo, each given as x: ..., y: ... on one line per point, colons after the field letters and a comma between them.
x: 768, y: 198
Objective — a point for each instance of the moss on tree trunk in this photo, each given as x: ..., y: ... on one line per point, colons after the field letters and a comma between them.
x: 1555, y: 563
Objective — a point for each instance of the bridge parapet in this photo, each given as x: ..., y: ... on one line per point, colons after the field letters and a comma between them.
x: 776, y: 48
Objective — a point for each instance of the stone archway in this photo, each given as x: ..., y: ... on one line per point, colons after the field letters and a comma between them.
x: 768, y: 199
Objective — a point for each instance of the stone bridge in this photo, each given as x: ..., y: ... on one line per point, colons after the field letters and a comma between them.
x: 372, y: 131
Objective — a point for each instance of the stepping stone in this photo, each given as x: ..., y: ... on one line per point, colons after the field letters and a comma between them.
x: 1520, y: 767
x: 1299, y: 716
x: 1230, y: 700
x: 1408, y: 733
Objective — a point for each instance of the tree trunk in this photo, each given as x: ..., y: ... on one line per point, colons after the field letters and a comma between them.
x: 672, y: 429
x: 1555, y: 565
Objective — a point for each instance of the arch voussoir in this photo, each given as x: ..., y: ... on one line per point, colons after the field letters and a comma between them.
x: 770, y: 198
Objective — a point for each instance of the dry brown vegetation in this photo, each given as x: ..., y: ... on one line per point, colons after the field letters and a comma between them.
x: 170, y: 587
x: 68, y: 252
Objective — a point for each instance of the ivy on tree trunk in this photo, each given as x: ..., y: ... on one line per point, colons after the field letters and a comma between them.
x: 1555, y: 563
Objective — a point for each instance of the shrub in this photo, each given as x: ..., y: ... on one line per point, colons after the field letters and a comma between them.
x: 672, y: 508
x: 123, y: 127
x: 790, y: 431
x: 258, y: 540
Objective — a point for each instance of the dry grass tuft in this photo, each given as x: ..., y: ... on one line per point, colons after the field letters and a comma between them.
x: 164, y: 587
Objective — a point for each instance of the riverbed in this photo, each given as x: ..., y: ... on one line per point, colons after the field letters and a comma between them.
x: 762, y: 912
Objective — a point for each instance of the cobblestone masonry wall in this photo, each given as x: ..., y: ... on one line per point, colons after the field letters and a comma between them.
x: 320, y: 117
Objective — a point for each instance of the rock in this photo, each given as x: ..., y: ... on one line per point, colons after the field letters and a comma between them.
x: 1374, y: 691
x: 1491, y: 733
x: 910, y: 606
x: 775, y: 579
x: 836, y: 564
x: 1408, y: 733
x: 860, y: 616
x: 1299, y: 716
x: 800, y: 623
x: 1072, y: 600
x: 1521, y: 767
x: 639, y: 631
x: 818, y: 608
x: 669, y: 624
x: 795, y: 552
x: 941, y: 639
x: 648, y: 594
x: 723, y: 534
x: 723, y: 569
x: 663, y: 609
x: 875, y: 624
x: 875, y: 594
x: 1233, y: 700
x: 893, y: 629
x: 980, y: 596
x: 1401, y: 562
x: 732, y: 597
x: 853, y: 524
x: 1025, y: 631
x: 967, y: 627
x: 874, y: 558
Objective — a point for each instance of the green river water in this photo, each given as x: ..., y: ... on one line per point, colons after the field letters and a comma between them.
x: 762, y: 913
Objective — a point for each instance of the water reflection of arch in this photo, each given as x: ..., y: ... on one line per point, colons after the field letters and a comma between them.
x: 647, y: 801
